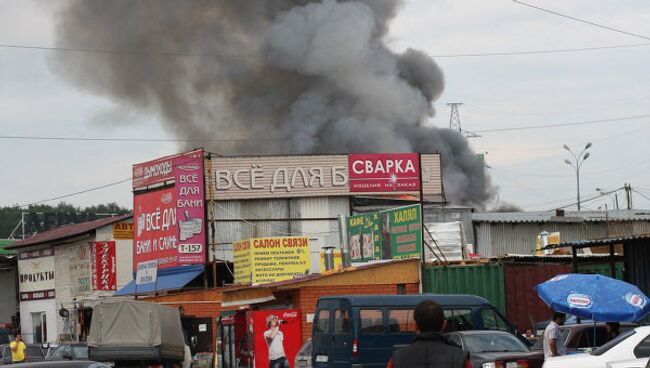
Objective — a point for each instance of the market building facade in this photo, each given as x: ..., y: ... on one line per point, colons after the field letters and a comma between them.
x: 63, y: 272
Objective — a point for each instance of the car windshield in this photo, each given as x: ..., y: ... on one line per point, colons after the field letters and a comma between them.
x: 80, y: 352
x: 482, y: 343
x: 34, y: 351
x: 603, y: 349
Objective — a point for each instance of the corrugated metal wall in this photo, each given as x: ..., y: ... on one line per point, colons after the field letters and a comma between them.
x: 523, y: 306
x: 315, y: 217
x: 496, y: 239
x: 484, y: 280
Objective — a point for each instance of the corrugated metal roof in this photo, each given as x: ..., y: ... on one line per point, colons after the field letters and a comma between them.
x: 67, y: 231
x: 569, y: 216
x: 584, y: 243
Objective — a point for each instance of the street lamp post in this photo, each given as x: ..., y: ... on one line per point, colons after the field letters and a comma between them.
x: 578, y: 160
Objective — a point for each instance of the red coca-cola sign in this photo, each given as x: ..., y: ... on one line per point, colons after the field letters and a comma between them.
x: 384, y: 172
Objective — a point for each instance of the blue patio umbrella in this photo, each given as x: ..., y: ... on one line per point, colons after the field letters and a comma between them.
x: 594, y: 297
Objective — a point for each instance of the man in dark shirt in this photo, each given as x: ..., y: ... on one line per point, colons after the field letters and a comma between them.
x: 429, y: 349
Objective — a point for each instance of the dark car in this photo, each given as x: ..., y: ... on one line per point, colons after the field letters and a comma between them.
x: 68, y: 352
x: 34, y: 353
x: 581, y: 336
x: 63, y: 364
x: 499, y: 348
x: 6, y: 336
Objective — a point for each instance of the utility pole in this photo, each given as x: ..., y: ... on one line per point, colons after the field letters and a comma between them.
x: 454, y: 121
x: 628, y: 195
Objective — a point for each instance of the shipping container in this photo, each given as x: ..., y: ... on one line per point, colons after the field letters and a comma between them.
x: 523, y: 306
x: 603, y: 269
x: 484, y: 280
x: 509, y: 286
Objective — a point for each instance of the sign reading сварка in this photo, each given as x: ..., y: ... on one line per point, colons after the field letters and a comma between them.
x: 254, y: 177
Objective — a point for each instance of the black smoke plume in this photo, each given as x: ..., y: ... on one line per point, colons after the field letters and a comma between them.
x: 281, y: 76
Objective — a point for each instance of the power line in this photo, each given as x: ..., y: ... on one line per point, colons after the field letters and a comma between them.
x: 537, y: 52
x: 125, y: 52
x: 23, y: 137
x: 74, y: 194
x: 219, y: 55
x: 582, y: 20
x: 558, y: 125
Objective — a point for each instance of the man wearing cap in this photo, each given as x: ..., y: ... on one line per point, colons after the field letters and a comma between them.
x: 274, y: 340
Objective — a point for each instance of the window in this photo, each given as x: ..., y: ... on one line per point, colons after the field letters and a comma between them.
x: 587, y: 337
x: 493, y: 321
x: 401, y: 321
x: 80, y: 352
x: 323, y: 321
x: 459, y: 319
x: 372, y: 321
x: 605, y: 348
x: 341, y: 322
x: 643, y: 349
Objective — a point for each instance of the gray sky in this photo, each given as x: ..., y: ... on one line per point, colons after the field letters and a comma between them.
x: 497, y: 92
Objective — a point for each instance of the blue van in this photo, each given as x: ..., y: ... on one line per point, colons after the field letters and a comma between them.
x: 361, y: 330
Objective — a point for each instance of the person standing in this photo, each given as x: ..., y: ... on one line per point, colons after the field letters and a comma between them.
x: 613, y: 330
x: 18, y: 350
x: 429, y: 349
x: 275, y: 342
x: 553, y: 341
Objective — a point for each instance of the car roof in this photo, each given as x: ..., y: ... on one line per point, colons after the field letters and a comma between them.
x: 410, y: 300
x: 481, y: 332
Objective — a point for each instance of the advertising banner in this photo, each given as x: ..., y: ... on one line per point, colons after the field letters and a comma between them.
x: 389, y: 172
x: 170, y: 222
x: 80, y: 270
x: 270, y: 259
x: 156, y: 230
x: 103, y: 256
x: 36, y: 274
x: 390, y: 234
x: 123, y: 231
x: 401, y: 232
x: 147, y: 272
x: 274, y: 336
x: 364, y: 237
x: 254, y: 177
x: 242, y: 259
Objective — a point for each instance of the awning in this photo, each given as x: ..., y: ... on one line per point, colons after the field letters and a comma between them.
x: 172, y: 278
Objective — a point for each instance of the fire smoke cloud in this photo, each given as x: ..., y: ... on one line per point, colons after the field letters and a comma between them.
x: 311, y: 76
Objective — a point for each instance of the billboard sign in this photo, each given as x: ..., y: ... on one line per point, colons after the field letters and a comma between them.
x: 255, y: 177
x: 147, y: 272
x: 103, y: 266
x: 264, y: 260
x: 389, y: 234
x: 80, y: 274
x: 364, y: 237
x: 169, y: 223
x: 36, y: 274
x: 391, y: 172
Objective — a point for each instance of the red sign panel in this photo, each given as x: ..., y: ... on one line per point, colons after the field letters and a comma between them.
x: 274, y: 341
x: 103, y: 266
x: 390, y: 172
x: 169, y: 223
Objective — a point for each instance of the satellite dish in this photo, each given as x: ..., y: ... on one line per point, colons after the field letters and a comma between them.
x: 64, y: 313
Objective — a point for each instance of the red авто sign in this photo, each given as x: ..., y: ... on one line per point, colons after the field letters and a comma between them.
x: 103, y: 266
x: 392, y: 172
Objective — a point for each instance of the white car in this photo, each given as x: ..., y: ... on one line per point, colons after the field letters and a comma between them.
x: 629, y: 347
x: 636, y: 363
